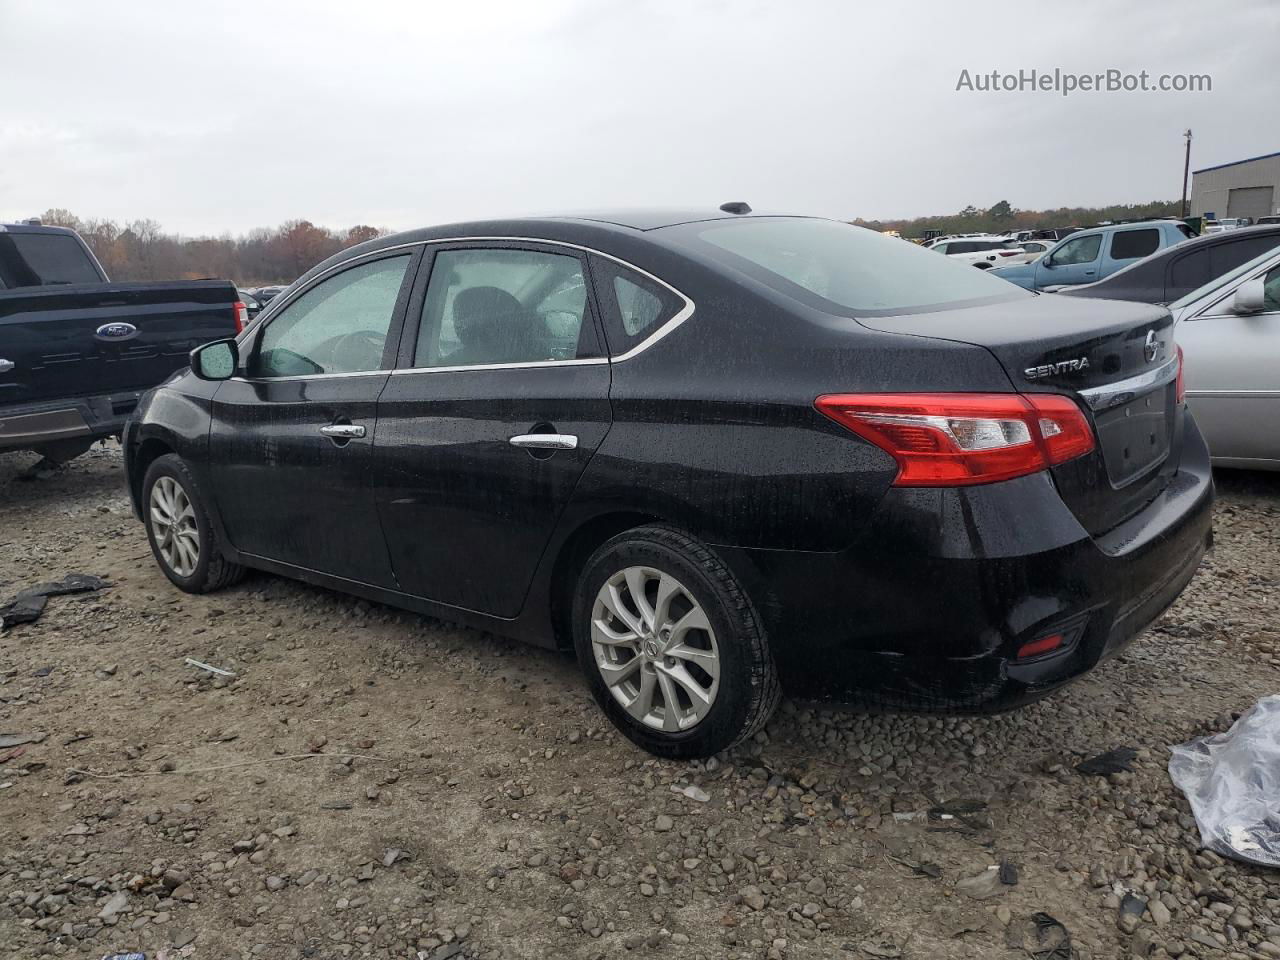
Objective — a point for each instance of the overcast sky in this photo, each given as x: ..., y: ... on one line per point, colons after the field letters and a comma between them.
x: 222, y: 116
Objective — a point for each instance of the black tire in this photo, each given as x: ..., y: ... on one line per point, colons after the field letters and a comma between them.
x: 748, y: 690
x: 212, y: 570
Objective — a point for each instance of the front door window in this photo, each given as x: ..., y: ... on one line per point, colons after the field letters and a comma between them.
x: 338, y: 326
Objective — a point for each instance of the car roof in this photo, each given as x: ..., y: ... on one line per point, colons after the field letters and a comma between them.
x: 657, y: 218
x: 34, y: 228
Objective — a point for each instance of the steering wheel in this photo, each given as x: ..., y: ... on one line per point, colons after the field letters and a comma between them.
x: 369, y: 343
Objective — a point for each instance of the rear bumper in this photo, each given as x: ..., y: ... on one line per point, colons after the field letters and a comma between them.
x: 36, y: 425
x: 927, y: 612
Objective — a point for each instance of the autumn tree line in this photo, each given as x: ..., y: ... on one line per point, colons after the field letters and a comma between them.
x: 141, y: 250
x: 1004, y: 218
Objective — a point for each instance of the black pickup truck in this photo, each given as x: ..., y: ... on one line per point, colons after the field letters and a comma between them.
x: 77, y: 351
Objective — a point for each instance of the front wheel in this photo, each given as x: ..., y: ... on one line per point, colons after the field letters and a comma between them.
x: 672, y: 648
x: 182, y: 538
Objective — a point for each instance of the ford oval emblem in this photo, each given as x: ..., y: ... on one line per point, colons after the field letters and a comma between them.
x: 115, y: 332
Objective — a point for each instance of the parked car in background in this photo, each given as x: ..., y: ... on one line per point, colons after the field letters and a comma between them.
x: 77, y: 351
x: 1229, y: 330
x: 265, y: 295
x: 1176, y: 271
x: 981, y: 252
x: 1268, y: 220
x: 1034, y: 249
x: 1222, y: 224
x: 1089, y: 255
x: 251, y: 303
x: 898, y: 481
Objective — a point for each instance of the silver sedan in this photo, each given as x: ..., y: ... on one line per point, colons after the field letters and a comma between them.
x: 1229, y: 331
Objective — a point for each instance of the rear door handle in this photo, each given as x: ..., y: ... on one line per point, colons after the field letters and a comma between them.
x: 343, y: 431
x: 545, y: 441
x: 6, y: 366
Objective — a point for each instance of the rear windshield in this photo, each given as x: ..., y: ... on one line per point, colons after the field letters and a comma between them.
x: 38, y: 259
x: 840, y: 268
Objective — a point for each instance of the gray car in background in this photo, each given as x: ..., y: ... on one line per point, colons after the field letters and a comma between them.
x: 1229, y: 331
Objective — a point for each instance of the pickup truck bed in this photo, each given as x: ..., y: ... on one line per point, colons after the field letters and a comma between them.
x: 75, y: 357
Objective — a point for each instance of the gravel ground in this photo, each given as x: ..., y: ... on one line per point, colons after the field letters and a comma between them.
x: 392, y: 786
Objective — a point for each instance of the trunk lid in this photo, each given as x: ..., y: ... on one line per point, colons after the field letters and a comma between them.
x: 1117, y: 360
x: 79, y: 340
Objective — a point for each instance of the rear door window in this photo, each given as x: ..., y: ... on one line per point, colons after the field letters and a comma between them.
x: 502, y: 306
x: 1132, y: 244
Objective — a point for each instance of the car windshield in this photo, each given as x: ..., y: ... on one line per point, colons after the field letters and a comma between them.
x: 1226, y: 279
x: 843, y: 269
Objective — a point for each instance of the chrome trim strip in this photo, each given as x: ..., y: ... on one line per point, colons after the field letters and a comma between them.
x: 581, y: 362
x: 1241, y: 394
x: 681, y: 316
x: 311, y: 376
x: 1111, y: 394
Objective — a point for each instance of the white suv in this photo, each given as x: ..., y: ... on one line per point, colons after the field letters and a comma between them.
x: 982, y: 252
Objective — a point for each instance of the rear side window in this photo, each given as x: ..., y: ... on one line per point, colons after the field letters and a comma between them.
x: 1131, y: 244
x: 41, y: 259
x: 499, y: 306
x: 634, y: 306
x: 837, y: 267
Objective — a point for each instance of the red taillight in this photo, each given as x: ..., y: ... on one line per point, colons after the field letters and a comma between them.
x: 1180, y: 390
x: 241, y: 314
x: 1038, y: 648
x: 958, y: 439
x: 1010, y: 253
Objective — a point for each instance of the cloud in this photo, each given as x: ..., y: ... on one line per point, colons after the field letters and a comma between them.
x: 236, y: 114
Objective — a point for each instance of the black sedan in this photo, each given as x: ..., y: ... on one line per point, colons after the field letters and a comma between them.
x: 1173, y: 272
x: 720, y: 455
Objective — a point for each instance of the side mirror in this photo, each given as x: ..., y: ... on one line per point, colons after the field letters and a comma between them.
x: 215, y: 361
x: 1250, y: 297
x: 1046, y: 261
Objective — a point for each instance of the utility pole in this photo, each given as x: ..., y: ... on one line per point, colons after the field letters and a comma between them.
x: 1186, y: 169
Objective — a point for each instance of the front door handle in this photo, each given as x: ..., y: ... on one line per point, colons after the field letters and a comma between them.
x: 6, y: 366
x: 343, y: 431
x: 545, y: 441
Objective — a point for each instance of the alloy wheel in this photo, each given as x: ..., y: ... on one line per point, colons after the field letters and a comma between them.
x: 655, y: 648
x: 173, y: 524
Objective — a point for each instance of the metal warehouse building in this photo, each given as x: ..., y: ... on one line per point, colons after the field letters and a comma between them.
x: 1246, y: 188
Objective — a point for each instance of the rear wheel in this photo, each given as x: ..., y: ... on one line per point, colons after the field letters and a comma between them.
x: 671, y: 645
x: 182, y: 538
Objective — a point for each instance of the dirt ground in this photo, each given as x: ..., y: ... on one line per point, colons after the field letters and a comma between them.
x: 373, y: 783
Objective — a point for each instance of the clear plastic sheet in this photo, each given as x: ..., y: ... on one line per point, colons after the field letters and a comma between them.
x: 1233, y: 782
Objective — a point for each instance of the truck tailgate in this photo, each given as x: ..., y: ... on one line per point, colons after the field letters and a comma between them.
x: 88, y: 339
